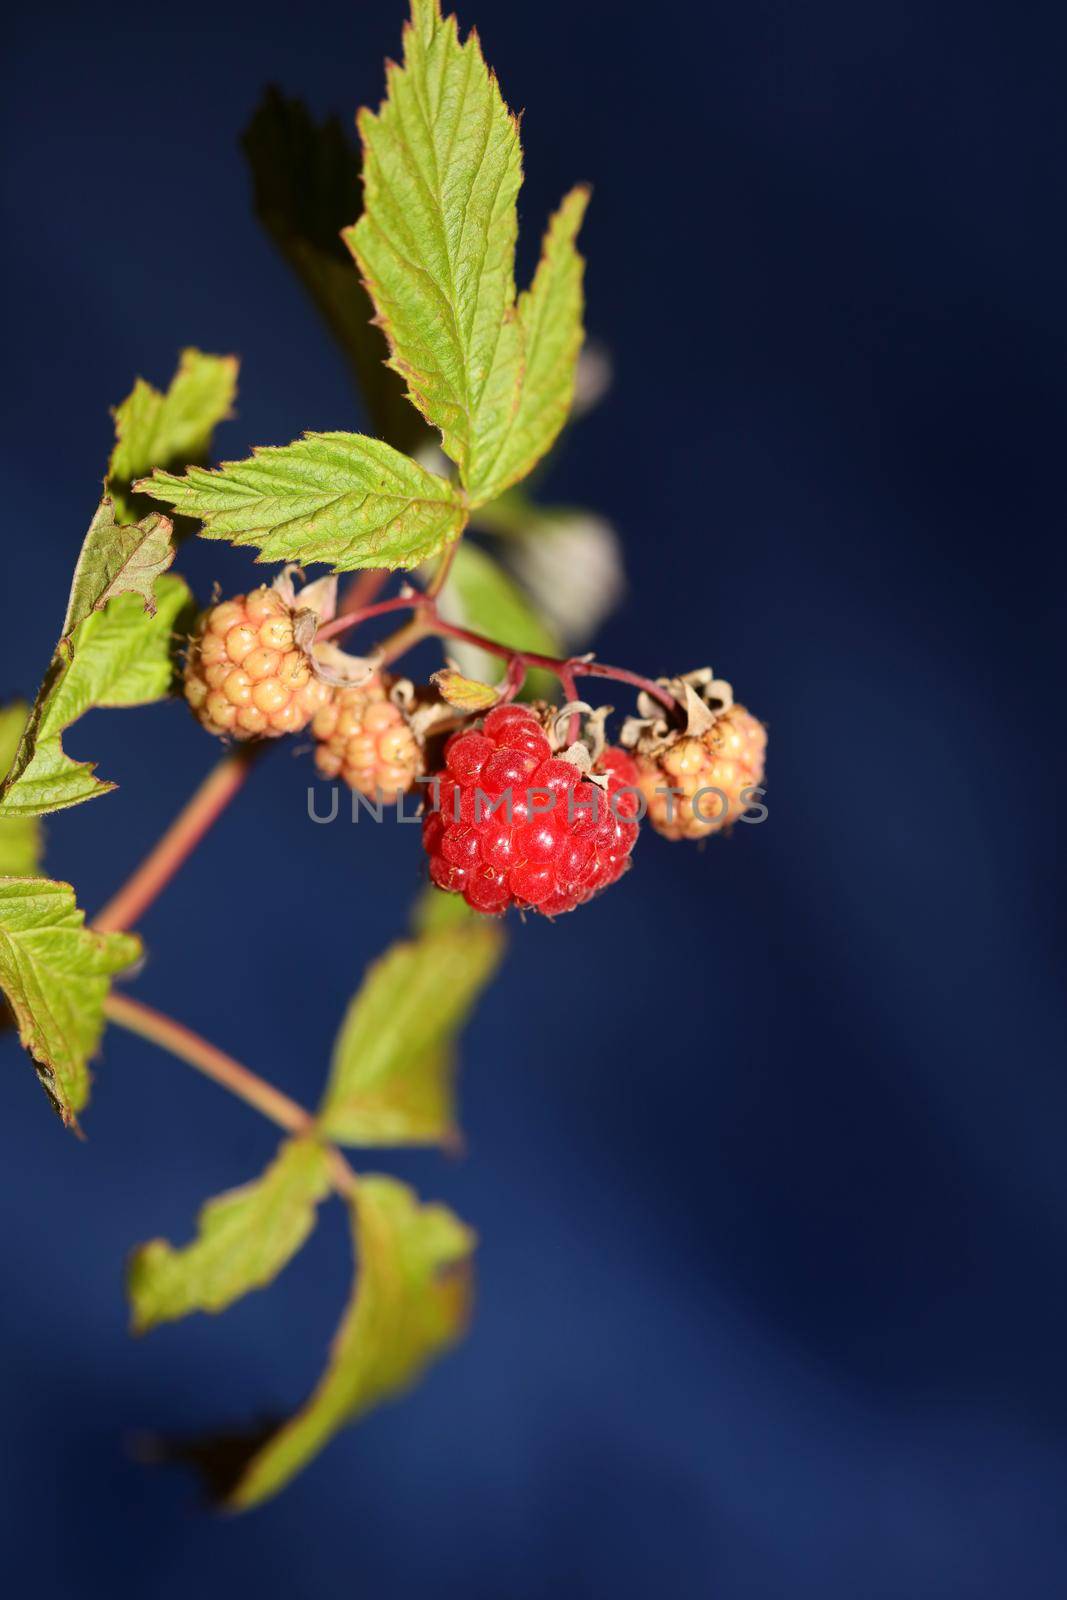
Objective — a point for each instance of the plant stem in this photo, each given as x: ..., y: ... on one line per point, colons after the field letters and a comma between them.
x: 440, y: 577
x: 351, y: 619
x: 427, y: 622
x: 128, y: 906
x: 207, y: 1058
x: 222, y: 1069
x: 514, y: 680
x: 570, y: 693
x: 363, y: 589
x: 565, y: 670
x: 405, y: 638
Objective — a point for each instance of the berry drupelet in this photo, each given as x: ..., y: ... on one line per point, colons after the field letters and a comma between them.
x: 512, y: 824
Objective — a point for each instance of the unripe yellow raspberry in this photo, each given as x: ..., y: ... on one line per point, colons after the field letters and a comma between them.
x: 245, y: 676
x: 366, y: 740
x: 728, y: 758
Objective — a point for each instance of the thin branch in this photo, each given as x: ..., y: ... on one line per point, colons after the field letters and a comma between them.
x: 440, y: 577
x: 129, y: 905
x: 364, y: 589
x: 159, y: 1029
x: 222, y: 1069
x: 352, y: 619
x: 426, y: 622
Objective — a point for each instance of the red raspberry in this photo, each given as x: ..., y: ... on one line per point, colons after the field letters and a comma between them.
x: 514, y: 825
x: 367, y: 741
x: 245, y: 675
x: 729, y: 758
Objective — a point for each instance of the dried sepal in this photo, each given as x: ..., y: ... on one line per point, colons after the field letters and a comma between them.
x: 335, y: 666
x: 699, y: 694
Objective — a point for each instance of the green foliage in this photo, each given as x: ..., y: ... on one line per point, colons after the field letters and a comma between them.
x: 20, y: 837
x: 391, y: 1081
x: 550, y: 319
x: 118, y: 560
x: 56, y: 973
x: 110, y: 652
x: 306, y: 185
x: 479, y: 595
x: 244, y: 1239
x: 494, y: 372
x: 336, y: 497
x: 410, y: 1304
x: 170, y: 429
x: 436, y: 246
x: 119, y: 656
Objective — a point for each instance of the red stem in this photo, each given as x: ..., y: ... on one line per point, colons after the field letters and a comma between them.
x: 129, y: 905
x: 351, y: 619
x: 427, y: 621
x: 362, y: 590
x: 223, y: 1069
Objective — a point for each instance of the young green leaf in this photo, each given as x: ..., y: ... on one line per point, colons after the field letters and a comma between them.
x: 550, y: 317
x: 244, y: 1239
x: 337, y: 497
x: 56, y: 973
x: 466, y: 694
x: 118, y: 560
x: 119, y: 656
x: 171, y: 429
x: 481, y: 596
x: 436, y: 247
x: 411, y: 1302
x: 306, y: 186
x: 20, y: 837
x: 391, y: 1081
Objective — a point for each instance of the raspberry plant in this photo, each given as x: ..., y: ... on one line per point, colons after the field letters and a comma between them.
x: 526, y: 804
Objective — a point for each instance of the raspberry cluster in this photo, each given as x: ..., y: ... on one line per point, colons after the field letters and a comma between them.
x: 245, y: 675
x: 366, y: 740
x: 729, y: 757
x: 512, y: 824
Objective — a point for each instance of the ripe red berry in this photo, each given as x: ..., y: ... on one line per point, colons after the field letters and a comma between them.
x: 511, y: 824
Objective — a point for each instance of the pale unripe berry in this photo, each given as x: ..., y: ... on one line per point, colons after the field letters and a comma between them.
x: 245, y: 676
x: 366, y: 741
x: 728, y: 758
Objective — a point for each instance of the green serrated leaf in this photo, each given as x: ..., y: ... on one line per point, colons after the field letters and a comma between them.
x: 411, y: 1302
x: 170, y: 429
x: 118, y: 560
x: 436, y: 246
x: 244, y: 1239
x: 479, y: 595
x: 337, y: 497
x: 20, y: 837
x: 550, y: 316
x: 306, y: 185
x: 119, y: 656
x: 56, y: 973
x: 391, y: 1081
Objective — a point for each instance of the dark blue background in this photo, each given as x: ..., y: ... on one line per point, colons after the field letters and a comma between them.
x: 767, y: 1147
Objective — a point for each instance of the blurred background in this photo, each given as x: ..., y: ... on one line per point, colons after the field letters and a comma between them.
x: 766, y: 1148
